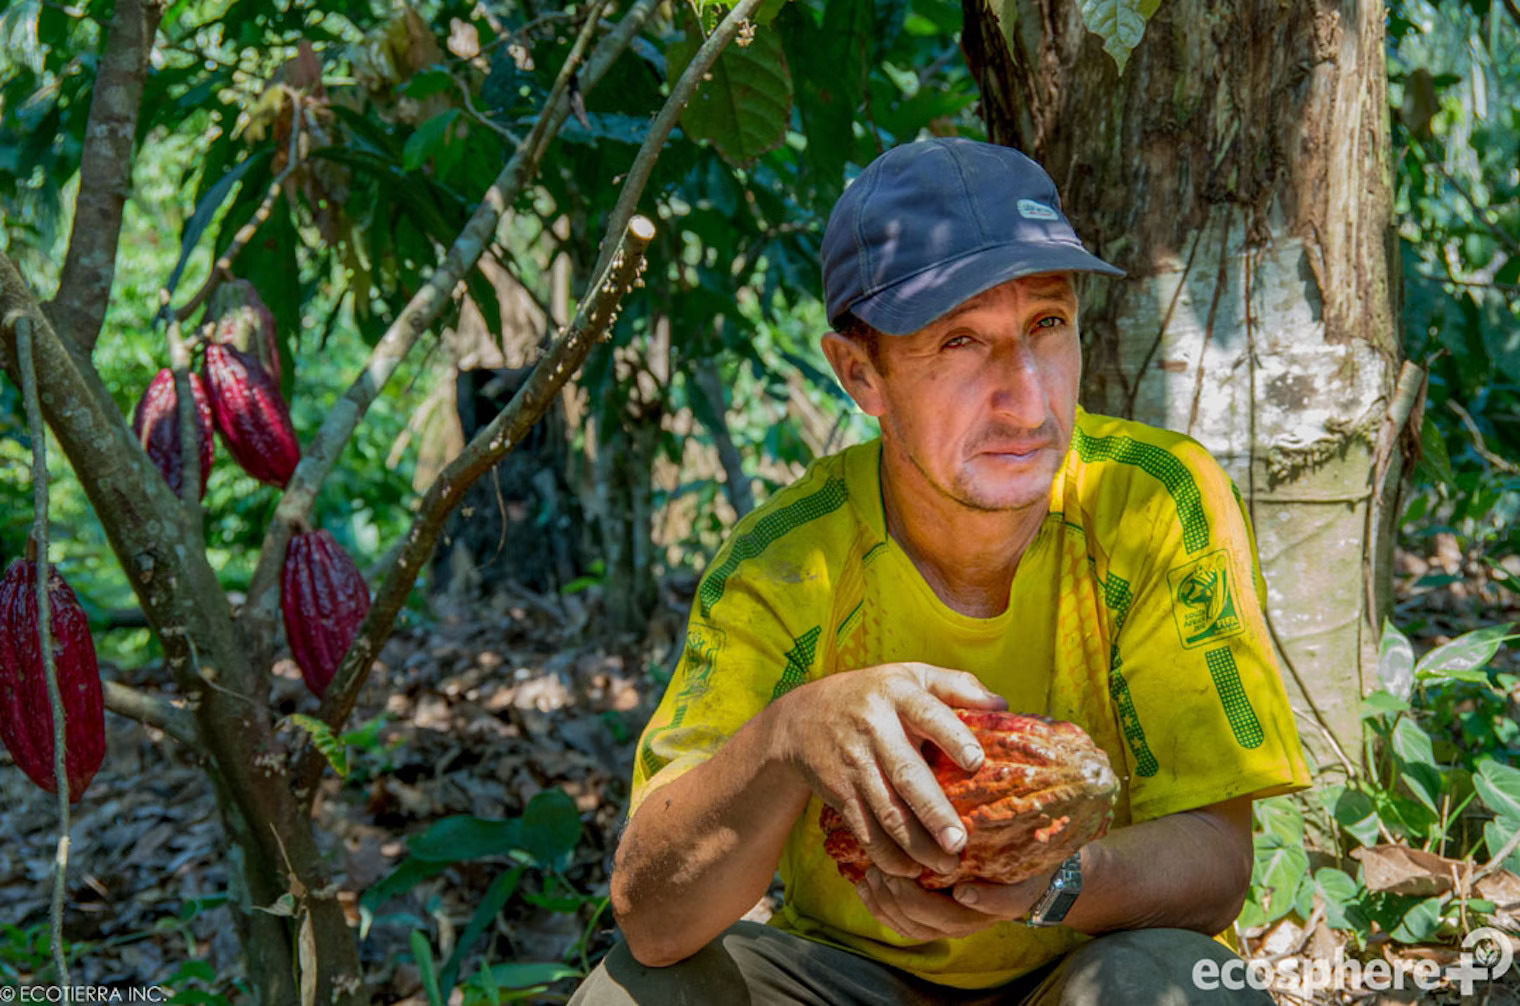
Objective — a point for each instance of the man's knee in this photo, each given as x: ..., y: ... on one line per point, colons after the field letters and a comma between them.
x: 1155, y: 967
x: 708, y: 976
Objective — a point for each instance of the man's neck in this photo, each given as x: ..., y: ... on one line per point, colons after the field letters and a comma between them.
x: 967, y: 556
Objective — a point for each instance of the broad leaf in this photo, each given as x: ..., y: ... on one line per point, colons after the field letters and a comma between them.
x: 1467, y: 652
x: 1421, y: 923
x: 1496, y: 834
x: 551, y: 827
x: 463, y: 836
x: 744, y: 105
x: 1279, y: 816
x: 1396, y: 661
x: 1381, y: 703
x: 1120, y: 23
x: 1499, y: 786
x: 1339, y: 890
x: 1355, y: 812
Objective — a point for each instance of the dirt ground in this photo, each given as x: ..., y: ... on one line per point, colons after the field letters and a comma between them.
x: 484, y: 707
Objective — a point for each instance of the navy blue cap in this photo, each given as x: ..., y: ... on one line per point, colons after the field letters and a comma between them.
x: 929, y: 225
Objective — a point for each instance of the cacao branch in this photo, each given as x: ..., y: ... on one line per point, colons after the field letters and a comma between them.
x: 105, y: 174
x: 124, y: 700
x: 179, y: 592
x: 28, y: 370
x: 321, y: 454
x: 592, y: 323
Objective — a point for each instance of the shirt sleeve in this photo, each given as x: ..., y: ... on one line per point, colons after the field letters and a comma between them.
x: 748, y: 642
x: 1205, y: 713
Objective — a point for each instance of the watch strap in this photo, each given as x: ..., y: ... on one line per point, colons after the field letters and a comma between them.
x: 1062, y: 893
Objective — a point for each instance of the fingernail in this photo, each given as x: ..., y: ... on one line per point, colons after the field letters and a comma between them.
x: 952, y: 838
x: 966, y: 895
x: 971, y: 757
x: 861, y: 889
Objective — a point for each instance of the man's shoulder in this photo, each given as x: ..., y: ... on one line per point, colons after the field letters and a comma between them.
x: 1121, y: 469
x: 803, y: 535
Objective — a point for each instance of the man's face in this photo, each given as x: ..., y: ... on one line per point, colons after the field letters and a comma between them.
x: 982, y: 402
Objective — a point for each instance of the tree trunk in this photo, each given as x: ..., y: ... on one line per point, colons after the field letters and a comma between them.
x: 1238, y: 169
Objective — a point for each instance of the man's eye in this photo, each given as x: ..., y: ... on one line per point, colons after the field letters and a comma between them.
x: 956, y: 341
x: 1050, y: 321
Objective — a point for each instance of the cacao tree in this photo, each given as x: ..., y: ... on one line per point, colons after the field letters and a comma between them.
x: 1234, y: 159
x: 351, y: 169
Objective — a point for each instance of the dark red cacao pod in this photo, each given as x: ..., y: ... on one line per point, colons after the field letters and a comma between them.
x: 1043, y: 791
x: 251, y: 415
x: 244, y: 322
x: 156, y: 424
x: 26, y: 723
x: 324, y: 598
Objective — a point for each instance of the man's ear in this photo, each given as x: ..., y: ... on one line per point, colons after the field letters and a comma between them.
x: 859, y: 377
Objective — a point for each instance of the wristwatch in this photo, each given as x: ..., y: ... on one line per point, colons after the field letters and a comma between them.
x: 1060, y: 896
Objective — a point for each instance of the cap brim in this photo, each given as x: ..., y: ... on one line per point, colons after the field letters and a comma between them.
x: 910, y: 304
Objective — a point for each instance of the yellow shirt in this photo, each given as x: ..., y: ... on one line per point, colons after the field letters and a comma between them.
x: 1135, y: 612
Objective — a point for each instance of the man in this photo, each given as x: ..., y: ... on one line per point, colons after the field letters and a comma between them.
x: 996, y: 547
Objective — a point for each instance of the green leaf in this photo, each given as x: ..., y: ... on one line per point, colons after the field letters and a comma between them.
x: 1496, y: 834
x: 1281, y: 817
x: 551, y: 827
x: 1120, y: 23
x: 1381, y: 703
x: 1467, y: 652
x: 1395, y: 661
x: 408, y: 874
x: 491, y: 904
x: 522, y: 974
x: 1339, y: 890
x: 322, y: 736
x: 463, y: 836
x: 422, y: 952
x: 744, y: 106
x: 427, y: 140
x: 1421, y: 923
x: 1355, y: 812
x: 827, y: 101
x: 1412, y: 744
x: 1499, y: 786
x: 1433, y: 450
x: 1283, y: 869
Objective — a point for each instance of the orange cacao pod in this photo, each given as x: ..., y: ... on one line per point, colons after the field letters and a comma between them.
x: 156, y: 424
x: 251, y: 415
x: 246, y: 323
x: 323, y: 598
x: 1042, y: 792
x: 26, y: 722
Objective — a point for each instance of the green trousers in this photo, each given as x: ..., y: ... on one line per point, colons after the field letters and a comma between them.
x: 754, y: 964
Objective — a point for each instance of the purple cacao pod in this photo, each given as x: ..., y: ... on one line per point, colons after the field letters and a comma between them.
x: 245, y: 323
x: 323, y: 598
x: 156, y: 424
x: 251, y: 415
x: 26, y: 722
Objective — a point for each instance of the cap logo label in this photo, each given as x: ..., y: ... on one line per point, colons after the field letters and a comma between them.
x: 1031, y: 210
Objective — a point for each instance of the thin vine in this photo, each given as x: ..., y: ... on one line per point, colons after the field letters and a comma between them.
x: 28, y: 370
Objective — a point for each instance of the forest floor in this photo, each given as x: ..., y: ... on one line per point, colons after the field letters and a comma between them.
x: 475, y: 711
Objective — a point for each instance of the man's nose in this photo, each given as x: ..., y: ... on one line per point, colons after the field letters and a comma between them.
x: 1018, y: 386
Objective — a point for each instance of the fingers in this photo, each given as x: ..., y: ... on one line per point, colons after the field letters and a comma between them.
x: 937, y: 721
x: 1002, y: 901
x: 915, y: 913
x: 890, y: 832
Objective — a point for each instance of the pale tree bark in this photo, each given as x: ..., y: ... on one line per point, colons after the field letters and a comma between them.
x: 1238, y: 169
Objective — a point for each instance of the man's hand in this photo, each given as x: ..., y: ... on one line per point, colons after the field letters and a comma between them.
x: 855, y: 739
x: 918, y: 914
